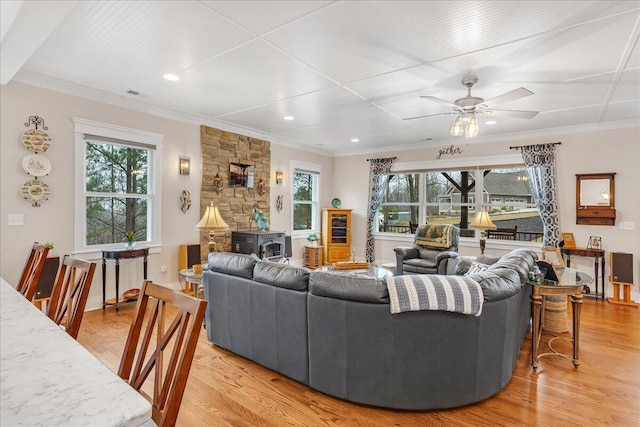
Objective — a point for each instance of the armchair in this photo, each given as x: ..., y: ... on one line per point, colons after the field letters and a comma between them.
x: 432, y: 246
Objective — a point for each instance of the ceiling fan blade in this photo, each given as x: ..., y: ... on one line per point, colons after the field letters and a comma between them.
x: 512, y: 95
x: 428, y: 115
x: 521, y: 114
x: 439, y: 100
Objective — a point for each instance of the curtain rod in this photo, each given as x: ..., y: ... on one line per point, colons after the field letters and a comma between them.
x: 520, y: 146
x: 392, y: 158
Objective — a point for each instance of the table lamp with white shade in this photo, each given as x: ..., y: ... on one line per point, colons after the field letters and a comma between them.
x: 482, y: 222
x: 211, y: 222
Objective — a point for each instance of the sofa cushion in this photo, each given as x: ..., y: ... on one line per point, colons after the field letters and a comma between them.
x: 422, y: 262
x: 234, y: 264
x: 487, y: 259
x: 282, y: 275
x: 348, y: 286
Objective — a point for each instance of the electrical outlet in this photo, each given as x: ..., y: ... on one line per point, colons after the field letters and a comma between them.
x: 16, y: 219
x: 163, y: 270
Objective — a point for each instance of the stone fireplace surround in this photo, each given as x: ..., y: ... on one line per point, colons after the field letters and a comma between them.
x: 219, y: 148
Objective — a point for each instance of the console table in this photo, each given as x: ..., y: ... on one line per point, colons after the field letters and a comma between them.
x: 598, y: 260
x: 117, y: 255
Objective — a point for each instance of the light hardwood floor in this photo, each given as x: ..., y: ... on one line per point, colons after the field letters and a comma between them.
x: 228, y: 390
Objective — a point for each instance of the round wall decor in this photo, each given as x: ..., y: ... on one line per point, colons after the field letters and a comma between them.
x: 36, y: 165
x: 36, y: 140
x: 35, y: 191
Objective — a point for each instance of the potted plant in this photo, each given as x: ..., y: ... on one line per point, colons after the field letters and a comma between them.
x: 313, y: 239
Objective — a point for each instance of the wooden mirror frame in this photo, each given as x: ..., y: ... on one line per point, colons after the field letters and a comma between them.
x: 596, y: 214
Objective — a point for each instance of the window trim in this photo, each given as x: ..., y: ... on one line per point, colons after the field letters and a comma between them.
x: 82, y: 127
x: 297, y: 166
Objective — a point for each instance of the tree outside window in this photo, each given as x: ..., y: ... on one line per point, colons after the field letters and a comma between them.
x: 117, y: 187
x: 304, y: 201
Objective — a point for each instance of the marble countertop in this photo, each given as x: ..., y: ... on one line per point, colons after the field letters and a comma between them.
x: 48, y: 379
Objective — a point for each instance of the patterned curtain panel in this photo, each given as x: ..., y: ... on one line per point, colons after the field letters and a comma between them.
x: 378, y: 174
x: 540, y: 162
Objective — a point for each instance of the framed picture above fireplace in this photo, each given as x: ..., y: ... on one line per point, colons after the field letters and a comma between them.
x: 241, y: 175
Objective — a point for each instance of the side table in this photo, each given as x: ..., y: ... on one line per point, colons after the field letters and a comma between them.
x: 571, y: 283
x: 117, y: 255
x: 190, y: 276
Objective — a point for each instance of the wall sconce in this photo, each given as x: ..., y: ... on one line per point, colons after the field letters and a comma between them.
x: 185, y: 165
x: 218, y: 185
x: 261, y: 188
x: 279, y: 177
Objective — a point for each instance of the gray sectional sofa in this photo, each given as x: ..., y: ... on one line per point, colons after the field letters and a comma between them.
x: 335, y: 332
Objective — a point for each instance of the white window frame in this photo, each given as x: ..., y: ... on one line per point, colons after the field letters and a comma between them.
x: 84, y: 127
x: 297, y: 166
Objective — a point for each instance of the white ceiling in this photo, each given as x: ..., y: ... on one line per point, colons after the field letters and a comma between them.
x: 344, y: 69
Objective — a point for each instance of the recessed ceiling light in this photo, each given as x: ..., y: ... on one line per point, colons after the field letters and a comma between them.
x: 171, y: 77
x: 490, y: 122
x: 288, y: 117
x: 355, y: 140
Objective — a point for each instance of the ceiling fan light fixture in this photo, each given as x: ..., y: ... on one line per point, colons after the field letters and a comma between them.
x: 456, y: 127
x: 472, y: 128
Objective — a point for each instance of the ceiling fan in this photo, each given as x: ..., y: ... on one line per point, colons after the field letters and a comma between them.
x: 466, y: 108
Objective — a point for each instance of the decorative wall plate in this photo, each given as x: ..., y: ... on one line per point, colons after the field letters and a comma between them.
x: 336, y: 203
x: 36, y: 140
x: 36, y: 165
x: 35, y: 191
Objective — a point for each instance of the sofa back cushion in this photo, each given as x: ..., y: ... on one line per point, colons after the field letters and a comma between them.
x: 240, y: 265
x: 281, y: 275
x: 348, y: 286
x: 505, y: 278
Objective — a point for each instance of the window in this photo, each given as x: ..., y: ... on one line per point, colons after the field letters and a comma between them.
x: 117, y: 185
x: 454, y: 196
x: 399, y: 210
x: 305, y: 197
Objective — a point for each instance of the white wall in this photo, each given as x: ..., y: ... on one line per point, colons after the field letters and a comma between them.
x: 589, y: 152
x: 54, y: 220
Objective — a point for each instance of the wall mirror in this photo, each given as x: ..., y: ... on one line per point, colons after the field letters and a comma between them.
x: 595, y: 199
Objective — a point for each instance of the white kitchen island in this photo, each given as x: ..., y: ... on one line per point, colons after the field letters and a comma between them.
x: 48, y: 379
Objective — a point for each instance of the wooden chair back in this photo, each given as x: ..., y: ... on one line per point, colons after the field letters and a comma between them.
x: 70, y: 292
x: 503, y: 233
x: 32, y: 270
x: 177, y: 342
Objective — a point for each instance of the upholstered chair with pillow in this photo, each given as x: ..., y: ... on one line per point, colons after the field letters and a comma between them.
x: 432, y: 246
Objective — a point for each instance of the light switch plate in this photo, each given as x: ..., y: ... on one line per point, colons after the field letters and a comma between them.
x: 627, y: 225
x: 16, y: 219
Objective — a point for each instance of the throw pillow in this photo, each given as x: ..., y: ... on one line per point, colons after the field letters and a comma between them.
x: 476, y: 267
x: 463, y: 264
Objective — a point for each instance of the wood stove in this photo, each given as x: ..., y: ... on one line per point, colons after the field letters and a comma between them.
x: 265, y: 244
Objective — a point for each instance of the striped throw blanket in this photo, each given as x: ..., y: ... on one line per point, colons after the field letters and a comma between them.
x: 458, y: 294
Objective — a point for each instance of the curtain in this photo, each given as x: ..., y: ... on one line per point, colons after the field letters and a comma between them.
x: 540, y: 163
x: 378, y: 175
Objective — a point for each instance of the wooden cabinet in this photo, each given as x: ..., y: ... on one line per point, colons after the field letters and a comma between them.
x: 336, y: 235
x: 313, y: 256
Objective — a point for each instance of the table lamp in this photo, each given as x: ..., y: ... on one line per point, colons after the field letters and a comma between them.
x: 212, y: 221
x: 482, y: 222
